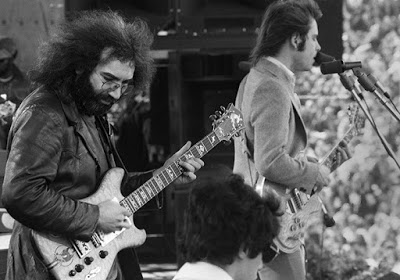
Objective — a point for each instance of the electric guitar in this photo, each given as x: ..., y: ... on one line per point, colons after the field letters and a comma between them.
x: 298, y: 207
x: 74, y: 259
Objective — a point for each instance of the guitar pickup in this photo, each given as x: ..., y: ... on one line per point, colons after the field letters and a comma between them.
x: 81, y: 248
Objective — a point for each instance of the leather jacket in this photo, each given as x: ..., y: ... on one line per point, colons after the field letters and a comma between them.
x: 53, y: 162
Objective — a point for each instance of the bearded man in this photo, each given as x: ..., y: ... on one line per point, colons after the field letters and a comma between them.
x: 61, y: 145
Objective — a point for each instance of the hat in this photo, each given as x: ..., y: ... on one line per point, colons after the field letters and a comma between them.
x: 7, y: 47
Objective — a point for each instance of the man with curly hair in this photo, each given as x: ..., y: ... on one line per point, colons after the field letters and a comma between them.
x: 227, y: 226
x: 61, y: 144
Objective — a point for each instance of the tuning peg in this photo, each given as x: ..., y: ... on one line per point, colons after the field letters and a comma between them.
x: 212, y: 117
x: 218, y: 113
x: 222, y: 109
x: 237, y: 134
x: 227, y: 142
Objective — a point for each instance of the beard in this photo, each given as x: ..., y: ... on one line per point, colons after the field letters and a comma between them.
x: 88, y: 101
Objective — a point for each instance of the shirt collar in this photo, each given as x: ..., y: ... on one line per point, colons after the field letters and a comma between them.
x: 281, y: 65
x: 206, y: 270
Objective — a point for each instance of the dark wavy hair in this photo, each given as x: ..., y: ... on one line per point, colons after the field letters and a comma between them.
x: 79, y: 43
x: 224, y: 215
x: 281, y: 20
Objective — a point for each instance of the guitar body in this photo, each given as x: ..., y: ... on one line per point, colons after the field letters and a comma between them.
x: 294, y: 224
x: 60, y: 256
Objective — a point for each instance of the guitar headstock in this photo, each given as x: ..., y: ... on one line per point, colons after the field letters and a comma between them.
x: 227, y: 122
x: 357, y: 121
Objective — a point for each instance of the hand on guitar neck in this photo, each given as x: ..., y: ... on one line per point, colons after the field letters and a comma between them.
x: 340, y: 154
x: 113, y: 216
x: 189, y: 165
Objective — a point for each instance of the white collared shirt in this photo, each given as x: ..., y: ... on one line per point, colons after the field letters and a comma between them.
x: 201, y: 271
x: 295, y: 98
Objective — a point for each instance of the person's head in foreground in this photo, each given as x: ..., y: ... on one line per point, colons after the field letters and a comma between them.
x: 228, y: 225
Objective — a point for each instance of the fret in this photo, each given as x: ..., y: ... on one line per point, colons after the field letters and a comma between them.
x: 171, y: 172
x: 208, y: 144
x: 163, y: 179
x: 212, y: 137
x: 134, y: 201
x: 124, y: 203
x: 143, y: 194
x: 167, y: 175
x: 154, y: 185
x: 193, y: 150
x: 159, y: 182
x: 200, y: 150
x: 131, y: 206
x: 188, y: 155
x: 177, y: 169
x: 150, y: 190
x: 138, y: 198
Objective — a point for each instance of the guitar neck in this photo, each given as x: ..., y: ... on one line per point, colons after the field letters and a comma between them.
x: 156, y: 184
x: 330, y: 159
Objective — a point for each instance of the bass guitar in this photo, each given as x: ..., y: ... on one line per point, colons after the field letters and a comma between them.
x: 74, y: 259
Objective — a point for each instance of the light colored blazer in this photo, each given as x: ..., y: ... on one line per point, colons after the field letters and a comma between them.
x: 274, y: 130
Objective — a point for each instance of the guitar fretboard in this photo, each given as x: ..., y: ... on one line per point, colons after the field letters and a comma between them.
x: 156, y: 184
x: 330, y: 158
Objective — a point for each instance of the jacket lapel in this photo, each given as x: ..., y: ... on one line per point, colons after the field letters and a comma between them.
x: 74, y: 119
x: 264, y: 65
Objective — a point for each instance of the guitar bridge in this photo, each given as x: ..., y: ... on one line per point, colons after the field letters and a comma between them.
x: 96, y: 240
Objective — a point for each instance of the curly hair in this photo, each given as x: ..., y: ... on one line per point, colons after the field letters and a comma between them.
x: 79, y: 44
x: 281, y: 20
x: 225, y: 216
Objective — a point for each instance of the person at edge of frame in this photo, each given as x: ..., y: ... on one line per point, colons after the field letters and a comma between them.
x: 61, y: 144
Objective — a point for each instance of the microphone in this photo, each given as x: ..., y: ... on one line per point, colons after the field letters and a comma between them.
x: 379, y: 86
x: 350, y: 84
x: 338, y: 66
x: 322, y: 57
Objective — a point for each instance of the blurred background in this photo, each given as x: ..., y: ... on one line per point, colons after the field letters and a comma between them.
x: 200, y: 48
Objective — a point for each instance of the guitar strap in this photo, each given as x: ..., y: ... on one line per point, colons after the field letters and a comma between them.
x: 258, y: 185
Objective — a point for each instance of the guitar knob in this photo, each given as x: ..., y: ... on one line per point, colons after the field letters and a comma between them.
x: 88, y: 260
x: 296, y: 220
x: 79, y: 267
x: 293, y: 227
x: 103, y: 254
x: 301, y: 224
x: 72, y: 273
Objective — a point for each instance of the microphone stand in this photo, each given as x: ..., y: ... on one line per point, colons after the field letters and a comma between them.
x: 368, y: 85
x: 349, y: 84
